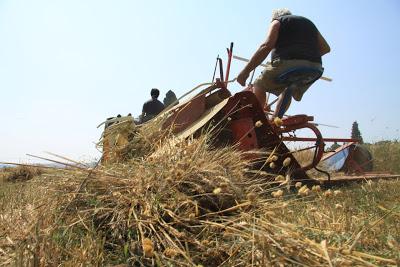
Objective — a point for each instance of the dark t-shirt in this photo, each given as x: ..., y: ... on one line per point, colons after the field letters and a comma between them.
x: 152, y: 107
x: 298, y: 39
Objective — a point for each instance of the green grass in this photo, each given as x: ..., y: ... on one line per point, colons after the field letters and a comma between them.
x: 373, y: 208
x: 386, y: 155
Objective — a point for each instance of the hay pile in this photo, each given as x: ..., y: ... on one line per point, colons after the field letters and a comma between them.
x: 22, y: 173
x: 180, y: 203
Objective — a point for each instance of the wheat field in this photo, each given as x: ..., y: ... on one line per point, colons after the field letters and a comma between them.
x: 186, y: 203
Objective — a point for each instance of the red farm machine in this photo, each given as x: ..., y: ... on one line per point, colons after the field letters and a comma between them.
x: 240, y: 120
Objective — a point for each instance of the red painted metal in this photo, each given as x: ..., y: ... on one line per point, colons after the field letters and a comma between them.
x: 347, y: 179
x: 319, y: 141
x: 223, y: 87
x: 344, y: 140
x: 243, y: 134
x: 343, y: 180
x: 243, y: 111
x: 228, y: 66
x: 301, y: 122
x: 351, y: 165
x: 313, y: 139
x: 296, y: 120
x: 185, y: 114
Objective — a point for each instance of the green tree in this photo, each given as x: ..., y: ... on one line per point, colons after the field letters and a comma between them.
x: 355, y: 132
x: 334, y: 146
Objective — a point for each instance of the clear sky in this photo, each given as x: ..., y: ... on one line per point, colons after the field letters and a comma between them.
x: 67, y: 65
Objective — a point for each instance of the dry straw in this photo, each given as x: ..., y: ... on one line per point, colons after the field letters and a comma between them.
x: 169, y: 202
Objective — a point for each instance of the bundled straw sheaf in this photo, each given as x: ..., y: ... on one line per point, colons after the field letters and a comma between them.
x: 171, y: 203
x: 23, y: 173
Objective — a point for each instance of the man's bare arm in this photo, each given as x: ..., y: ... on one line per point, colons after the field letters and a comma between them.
x: 324, y: 47
x: 262, y: 52
x: 144, y: 110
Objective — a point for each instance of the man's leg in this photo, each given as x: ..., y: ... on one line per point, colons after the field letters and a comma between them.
x: 283, y: 102
x: 260, y: 94
x: 265, y: 83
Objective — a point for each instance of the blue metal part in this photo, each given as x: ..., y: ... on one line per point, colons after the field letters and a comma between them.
x: 336, y: 162
x: 287, y: 98
x: 301, y: 75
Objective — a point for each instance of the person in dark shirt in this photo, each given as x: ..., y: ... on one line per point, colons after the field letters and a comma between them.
x: 152, y: 107
x: 170, y: 99
x: 294, y: 42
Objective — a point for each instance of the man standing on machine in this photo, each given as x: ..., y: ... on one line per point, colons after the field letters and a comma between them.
x: 295, y: 42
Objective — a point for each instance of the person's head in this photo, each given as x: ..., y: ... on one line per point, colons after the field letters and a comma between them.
x: 280, y: 12
x: 170, y: 93
x: 154, y: 93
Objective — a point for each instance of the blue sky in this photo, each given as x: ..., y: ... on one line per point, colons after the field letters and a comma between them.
x: 67, y: 65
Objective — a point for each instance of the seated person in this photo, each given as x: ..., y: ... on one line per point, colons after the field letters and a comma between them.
x: 152, y: 107
x: 294, y: 42
x: 170, y: 98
